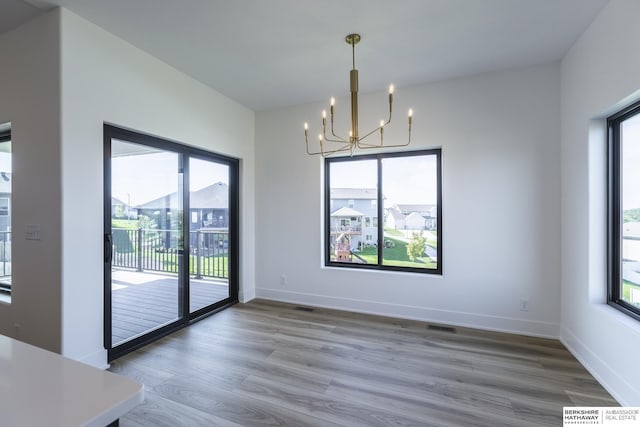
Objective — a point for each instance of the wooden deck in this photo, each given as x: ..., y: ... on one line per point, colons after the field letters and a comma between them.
x: 144, y: 301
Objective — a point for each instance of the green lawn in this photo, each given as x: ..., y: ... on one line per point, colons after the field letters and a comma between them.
x: 626, y: 290
x: 392, y: 232
x: 397, y: 255
x: 129, y: 224
x: 209, y: 266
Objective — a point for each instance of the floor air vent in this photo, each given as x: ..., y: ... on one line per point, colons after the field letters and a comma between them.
x: 442, y: 328
x: 299, y: 308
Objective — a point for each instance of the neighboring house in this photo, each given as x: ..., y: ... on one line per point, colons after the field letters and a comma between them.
x: 428, y: 212
x: 120, y: 209
x: 395, y: 219
x: 208, y: 212
x: 415, y: 221
x: 208, y: 207
x: 354, y: 217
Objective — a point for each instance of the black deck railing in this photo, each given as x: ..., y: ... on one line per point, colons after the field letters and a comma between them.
x: 158, y: 250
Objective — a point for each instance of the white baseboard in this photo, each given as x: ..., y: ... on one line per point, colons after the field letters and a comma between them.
x: 246, y: 296
x: 617, y: 386
x: 454, y: 318
x: 97, y: 359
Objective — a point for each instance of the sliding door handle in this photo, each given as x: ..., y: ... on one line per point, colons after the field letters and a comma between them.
x: 108, y: 248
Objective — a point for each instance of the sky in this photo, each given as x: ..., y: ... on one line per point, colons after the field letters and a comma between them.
x: 5, y: 162
x: 406, y: 180
x: 137, y: 179
x: 630, y: 162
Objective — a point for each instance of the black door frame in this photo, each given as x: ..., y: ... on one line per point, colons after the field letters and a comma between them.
x: 185, y: 152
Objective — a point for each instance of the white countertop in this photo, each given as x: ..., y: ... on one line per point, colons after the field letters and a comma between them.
x: 38, y: 388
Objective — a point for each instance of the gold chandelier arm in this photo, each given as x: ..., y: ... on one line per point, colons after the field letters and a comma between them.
x: 329, y: 153
x: 306, y: 138
x: 325, y: 153
x: 332, y: 111
x: 381, y: 128
x: 382, y: 125
x: 340, y: 140
x: 368, y: 146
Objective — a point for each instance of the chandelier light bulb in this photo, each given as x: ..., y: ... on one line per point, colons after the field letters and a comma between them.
x: 381, y: 123
x: 333, y: 101
x: 306, y: 126
x: 410, y: 112
x: 391, y: 89
x: 324, y: 114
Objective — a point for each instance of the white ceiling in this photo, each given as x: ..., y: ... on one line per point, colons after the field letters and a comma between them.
x: 275, y: 53
x: 15, y: 12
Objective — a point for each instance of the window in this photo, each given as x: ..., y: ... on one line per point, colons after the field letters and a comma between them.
x: 624, y: 211
x: 5, y: 210
x: 4, y: 206
x: 404, y: 191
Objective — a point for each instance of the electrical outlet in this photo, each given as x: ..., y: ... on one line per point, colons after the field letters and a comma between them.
x: 524, y: 305
x: 283, y: 280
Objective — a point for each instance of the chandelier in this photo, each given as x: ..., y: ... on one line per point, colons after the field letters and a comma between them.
x: 333, y: 143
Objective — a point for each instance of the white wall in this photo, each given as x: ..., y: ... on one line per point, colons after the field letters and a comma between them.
x: 105, y: 79
x: 499, y: 134
x: 600, y: 75
x: 30, y: 100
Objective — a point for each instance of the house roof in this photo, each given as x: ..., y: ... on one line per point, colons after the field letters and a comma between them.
x: 396, y: 214
x: 345, y: 211
x: 214, y: 196
x: 354, y: 193
x: 415, y: 207
x: 116, y: 201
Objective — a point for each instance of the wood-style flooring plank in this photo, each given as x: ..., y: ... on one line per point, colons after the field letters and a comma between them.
x: 271, y: 363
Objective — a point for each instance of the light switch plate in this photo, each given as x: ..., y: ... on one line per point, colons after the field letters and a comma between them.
x: 32, y: 232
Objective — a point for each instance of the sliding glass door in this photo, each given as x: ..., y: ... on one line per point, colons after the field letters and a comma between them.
x: 146, y: 239
x: 208, y: 233
x: 170, y: 237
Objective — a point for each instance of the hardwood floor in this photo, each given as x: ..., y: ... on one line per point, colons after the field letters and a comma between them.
x: 268, y: 363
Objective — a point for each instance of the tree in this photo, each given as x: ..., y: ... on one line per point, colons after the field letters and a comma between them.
x: 415, y: 247
x: 146, y: 223
x: 118, y: 211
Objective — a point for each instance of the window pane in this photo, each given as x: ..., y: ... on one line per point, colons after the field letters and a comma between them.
x: 410, y: 190
x: 6, y: 178
x: 630, y: 197
x: 353, y: 217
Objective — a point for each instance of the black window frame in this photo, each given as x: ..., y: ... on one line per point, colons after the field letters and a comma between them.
x: 5, y: 288
x: 380, y: 211
x: 615, y: 213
